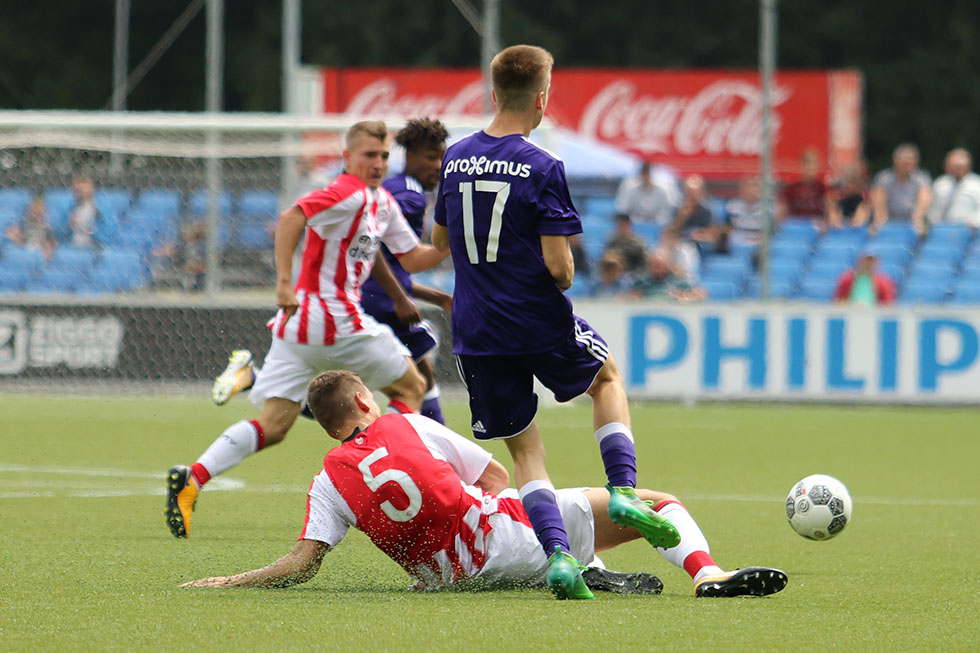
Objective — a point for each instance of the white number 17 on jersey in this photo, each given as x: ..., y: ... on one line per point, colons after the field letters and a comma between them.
x: 502, y: 191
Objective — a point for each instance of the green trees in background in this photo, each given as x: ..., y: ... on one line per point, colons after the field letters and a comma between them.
x: 919, y: 59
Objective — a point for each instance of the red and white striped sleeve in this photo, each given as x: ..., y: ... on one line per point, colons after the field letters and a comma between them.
x: 334, y: 204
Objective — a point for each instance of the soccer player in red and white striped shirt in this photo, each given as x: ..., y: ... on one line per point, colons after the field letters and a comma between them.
x: 435, y: 503
x: 320, y: 324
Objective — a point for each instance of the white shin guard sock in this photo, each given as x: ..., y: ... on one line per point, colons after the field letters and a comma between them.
x: 238, y: 442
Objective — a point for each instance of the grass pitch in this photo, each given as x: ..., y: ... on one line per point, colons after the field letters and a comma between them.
x: 87, y: 563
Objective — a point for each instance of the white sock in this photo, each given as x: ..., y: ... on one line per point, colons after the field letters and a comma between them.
x: 238, y: 442
x: 432, y: 393
x: 692, y: 539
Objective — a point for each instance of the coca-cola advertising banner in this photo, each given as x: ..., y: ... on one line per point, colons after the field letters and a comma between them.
x: 704, y: 121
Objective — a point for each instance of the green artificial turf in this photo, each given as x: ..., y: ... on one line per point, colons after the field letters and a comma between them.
x: 87, y: 563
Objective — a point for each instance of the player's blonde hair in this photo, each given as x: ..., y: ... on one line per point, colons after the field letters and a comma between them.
x: 330, y: 397
x: 518, y: 74
x: 373, y: 128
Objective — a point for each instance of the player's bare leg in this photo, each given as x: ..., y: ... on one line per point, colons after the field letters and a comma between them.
x: 538, y: 497
x: 238, y: 441
x: 405, y: 394
x: 611, y: 420
x: 430, y: 400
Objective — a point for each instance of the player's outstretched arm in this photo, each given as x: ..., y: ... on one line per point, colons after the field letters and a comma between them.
x: 297, y: 566
x: 422, y: 258
x: 405, y: 308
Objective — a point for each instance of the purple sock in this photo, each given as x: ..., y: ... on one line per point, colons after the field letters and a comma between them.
x: 432, y: 410
x: 619, y: 458
x: 542, y: 509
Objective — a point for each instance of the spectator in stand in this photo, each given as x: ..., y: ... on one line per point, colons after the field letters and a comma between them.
x: 194, y: 257
x: 743, y: 215
x: 664, y: 279
x: 89, y: 226
x: 611, y: 278
x: 850, y: 204
x: 956, y: 194
x: 644, y: 198
x: 629, y: 245
x: 694, y: 222
x: 805, y: 199
x: 903, y: 192
x: 34, y: 231
x: 865, y: 285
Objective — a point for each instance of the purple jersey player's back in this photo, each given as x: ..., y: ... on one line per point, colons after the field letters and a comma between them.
x: 497, y: 197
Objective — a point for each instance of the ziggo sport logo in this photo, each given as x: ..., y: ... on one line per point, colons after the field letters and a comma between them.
x: 475, y: 166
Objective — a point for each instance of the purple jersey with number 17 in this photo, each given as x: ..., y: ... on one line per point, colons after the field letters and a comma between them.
x: 497, y: 197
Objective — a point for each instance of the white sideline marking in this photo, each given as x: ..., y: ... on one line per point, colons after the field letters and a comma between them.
x: 874, y: 501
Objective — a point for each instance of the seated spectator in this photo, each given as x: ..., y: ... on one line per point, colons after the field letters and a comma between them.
x: 611, y: 279
x: 682, y: 255
x: 628, y: 244
x: 850, y: 204
x: 89, y: 226
x: 34, y: 231
x: 743, y: 216
x: 694, y: 221
x: 805, y: 199
x: 956, y: 194
x: 663, y: 279
x: 903, y: 192
x: 865, y: 285
x: 194, y: 257
x: 644, y: 199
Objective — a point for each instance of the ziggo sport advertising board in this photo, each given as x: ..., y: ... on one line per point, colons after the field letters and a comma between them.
x: 792, y: 352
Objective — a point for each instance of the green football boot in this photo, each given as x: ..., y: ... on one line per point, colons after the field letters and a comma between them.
x: 565, y: 578
x: 627, y: 509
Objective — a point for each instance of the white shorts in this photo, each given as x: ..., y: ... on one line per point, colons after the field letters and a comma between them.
x: 514, y: 554
x: 374, y: 354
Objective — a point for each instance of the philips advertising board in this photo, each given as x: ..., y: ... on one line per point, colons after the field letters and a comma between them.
x: 792, y: 352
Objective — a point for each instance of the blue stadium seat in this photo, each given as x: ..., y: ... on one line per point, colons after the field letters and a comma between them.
x: 197, y: 203
x: 939, y: 254
x: 894, y: 270
x: 54, y: 280
x: 116, y: 200
x: 162, y: 202
x: 851, y: 236
x: 827, y: 269
x: 8, y: 218
x: 831, y: 251
x: 892, y: 253
x: 74, y: 260
x: 735, y: 270
x: 162, y: 228
x: 817, y: 289
x: 648, y: 231
x: 15, y: 200
x: 720, y: 290
x: 923, y: 292
x: 971, y: 268
x: 258, y: 204
x: 742, y: 250
x: 966, y: 293
x: 792, y: 250
x: 596, y: 228
x: 58, y: 203
x: 784, y: 269
x: 137, y: 238
x: 896, y: 232
x: 779, y: 288
x: 594, y: 247
x: 120, y: 269
x: 797, y: 231
x: 600, y: 205
x: 25, y: 258
x: 13, y: 278
x: 952, y: 234
x: 253, y: 235
x: 931, y: 273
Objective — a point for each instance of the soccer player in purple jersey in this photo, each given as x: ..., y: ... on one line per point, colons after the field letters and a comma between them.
x: 504, y: 211
x: 424, y: 141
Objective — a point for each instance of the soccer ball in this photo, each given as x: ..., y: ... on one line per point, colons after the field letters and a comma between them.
x: 818, y: 507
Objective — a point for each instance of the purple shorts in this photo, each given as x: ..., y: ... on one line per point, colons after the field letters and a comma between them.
x: 501, y: 388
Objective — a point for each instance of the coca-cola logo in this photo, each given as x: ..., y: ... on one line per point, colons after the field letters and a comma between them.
x: 381, y: 98
x: 722, y: 118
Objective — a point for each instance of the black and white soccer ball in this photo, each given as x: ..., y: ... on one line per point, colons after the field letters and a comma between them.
x: 818, y: 507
